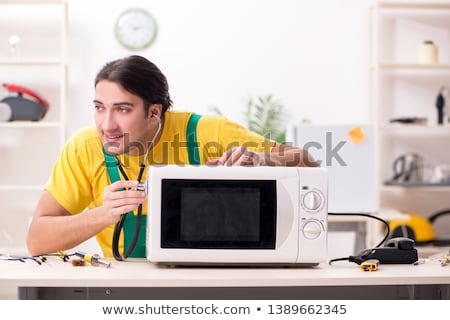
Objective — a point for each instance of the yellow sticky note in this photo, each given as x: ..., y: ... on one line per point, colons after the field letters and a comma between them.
x: 357, y: 135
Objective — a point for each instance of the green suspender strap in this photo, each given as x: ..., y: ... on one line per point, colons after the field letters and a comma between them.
x: 191, y: 139
x: 130, y: 219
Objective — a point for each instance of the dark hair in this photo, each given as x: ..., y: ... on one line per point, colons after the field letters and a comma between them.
x: 140, y: 77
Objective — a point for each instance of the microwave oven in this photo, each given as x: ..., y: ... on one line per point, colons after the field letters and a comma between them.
x: 236, y: 215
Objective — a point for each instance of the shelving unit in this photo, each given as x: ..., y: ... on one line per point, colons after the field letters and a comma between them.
x: 400, y: 87
x: 29, y: 149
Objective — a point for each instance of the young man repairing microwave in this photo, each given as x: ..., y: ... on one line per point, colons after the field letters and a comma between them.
x: 134, y: 128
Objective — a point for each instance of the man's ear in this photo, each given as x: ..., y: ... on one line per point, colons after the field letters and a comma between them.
x: 155, y: 109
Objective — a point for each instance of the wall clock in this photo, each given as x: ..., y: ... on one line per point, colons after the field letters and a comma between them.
x: 135, y: 29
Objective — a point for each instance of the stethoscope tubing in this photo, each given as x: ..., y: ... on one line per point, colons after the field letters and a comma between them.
x: 119, y: 225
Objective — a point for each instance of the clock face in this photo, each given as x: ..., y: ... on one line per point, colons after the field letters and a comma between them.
x: 135, y: 29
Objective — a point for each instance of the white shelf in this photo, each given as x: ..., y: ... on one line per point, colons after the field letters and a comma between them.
x: 401, y: 87
x: 413, y: 130
x: 414, y: 5
x: 347, y: 218
x: 413, y: 66
x: 29, y: 148
x: 12, y: 187
x: 31, y: 124
x: 30, y: 2
x: 428, y: 188
x: 28, y: 62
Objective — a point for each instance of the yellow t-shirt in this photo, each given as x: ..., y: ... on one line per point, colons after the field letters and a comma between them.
x: 79, y: 175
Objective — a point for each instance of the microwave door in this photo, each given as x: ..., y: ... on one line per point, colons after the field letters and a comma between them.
x: 218, y: 214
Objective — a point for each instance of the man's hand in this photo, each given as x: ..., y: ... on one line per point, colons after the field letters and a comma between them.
x: 280, y: 155
x: 121, y: 197
x: 239, y: 156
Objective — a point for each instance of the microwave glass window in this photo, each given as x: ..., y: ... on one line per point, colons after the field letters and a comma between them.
x: 214, y: 214
x: 223, y: 214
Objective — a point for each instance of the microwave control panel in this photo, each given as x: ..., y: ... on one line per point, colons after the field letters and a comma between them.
x: 313, y: 212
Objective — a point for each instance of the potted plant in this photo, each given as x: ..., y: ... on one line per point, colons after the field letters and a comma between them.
x: 265, y: 116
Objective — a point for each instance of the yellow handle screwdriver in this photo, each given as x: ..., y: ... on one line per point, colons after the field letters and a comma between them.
x: 93, y: 259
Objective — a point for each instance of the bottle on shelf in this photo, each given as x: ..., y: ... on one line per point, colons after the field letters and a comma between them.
x: 428, y: 53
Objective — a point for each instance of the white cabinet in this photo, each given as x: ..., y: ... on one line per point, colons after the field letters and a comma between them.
x: 28, y: 149
x: 404, y: 87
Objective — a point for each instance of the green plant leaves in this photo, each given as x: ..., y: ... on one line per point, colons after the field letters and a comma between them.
x: 266, y: 116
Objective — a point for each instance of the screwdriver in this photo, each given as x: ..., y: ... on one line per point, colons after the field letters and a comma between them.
x: 93, y: 259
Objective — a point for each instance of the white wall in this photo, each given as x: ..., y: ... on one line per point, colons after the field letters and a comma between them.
x: 311, y: 55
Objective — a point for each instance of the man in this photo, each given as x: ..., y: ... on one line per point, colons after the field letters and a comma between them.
x: 135, y: 128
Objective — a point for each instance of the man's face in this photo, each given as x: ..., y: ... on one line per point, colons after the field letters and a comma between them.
x: 121, y: 119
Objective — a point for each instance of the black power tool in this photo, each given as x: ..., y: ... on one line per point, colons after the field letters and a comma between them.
x: 396, y: 251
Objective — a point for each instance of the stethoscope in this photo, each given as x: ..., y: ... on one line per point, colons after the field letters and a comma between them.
x: 119, y: 225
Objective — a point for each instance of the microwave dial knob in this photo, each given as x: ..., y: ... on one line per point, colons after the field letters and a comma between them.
x: 312, y: 200
x: 312, y: 229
